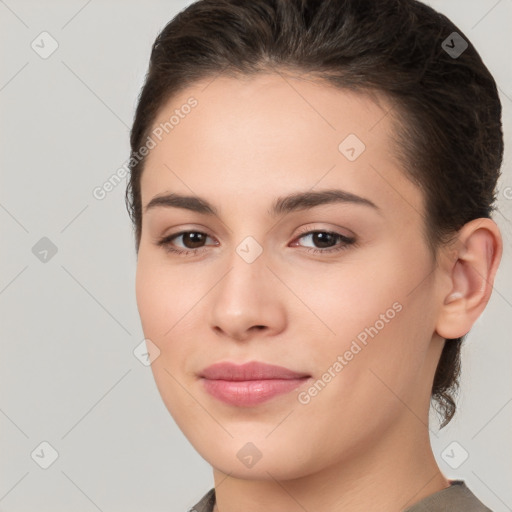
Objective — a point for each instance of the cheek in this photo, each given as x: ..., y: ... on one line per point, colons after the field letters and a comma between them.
x: 164, y: 295
x: 375, y: 312
x: 150, y: 299
x: 372, y: 366
x: 348, y: 296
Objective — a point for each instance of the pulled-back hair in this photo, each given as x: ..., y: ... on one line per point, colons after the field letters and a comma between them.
x: 448, y: 134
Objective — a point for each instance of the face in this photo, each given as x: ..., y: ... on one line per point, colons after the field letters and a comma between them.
x: 338, y: 287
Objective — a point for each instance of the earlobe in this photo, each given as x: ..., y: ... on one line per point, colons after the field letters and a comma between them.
x: 470, y: 276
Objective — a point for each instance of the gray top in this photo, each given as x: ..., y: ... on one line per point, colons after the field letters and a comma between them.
x: 455, y: 498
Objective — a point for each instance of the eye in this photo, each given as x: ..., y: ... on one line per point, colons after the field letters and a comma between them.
x: 326, y: 240
x: 192, y: 241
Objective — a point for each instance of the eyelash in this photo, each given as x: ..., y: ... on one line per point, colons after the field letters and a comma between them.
x: 165, y: 242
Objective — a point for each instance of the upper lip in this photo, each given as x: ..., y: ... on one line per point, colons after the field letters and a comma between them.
x: 253, y: 370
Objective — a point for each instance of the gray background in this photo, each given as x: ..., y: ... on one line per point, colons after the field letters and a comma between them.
x: 70, y: 324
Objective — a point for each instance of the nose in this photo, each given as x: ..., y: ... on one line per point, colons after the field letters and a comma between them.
x: 248, y: 301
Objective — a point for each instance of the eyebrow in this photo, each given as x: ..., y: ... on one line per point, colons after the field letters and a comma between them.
x: 282, y: 205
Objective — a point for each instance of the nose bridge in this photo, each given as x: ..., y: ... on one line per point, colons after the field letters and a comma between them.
x: 247, y: 271
x: 245, y: 297
x: 247, y: 239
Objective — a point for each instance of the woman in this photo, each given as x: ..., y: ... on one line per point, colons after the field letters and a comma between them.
x: 311, y: 189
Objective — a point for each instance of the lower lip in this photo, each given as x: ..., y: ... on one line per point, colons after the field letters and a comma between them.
x: 250, y: 392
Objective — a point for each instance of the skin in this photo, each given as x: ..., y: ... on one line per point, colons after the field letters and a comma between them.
x: 246, y: 143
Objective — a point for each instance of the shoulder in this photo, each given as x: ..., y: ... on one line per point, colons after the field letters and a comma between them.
x: 206, y: 503
x: 457, y: 497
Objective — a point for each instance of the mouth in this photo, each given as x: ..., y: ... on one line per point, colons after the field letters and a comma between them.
x: 249, y: 384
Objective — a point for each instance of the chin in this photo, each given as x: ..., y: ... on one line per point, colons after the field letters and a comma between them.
x: 261, y: 460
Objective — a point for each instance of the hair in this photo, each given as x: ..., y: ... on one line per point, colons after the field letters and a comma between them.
x: 448, y: 135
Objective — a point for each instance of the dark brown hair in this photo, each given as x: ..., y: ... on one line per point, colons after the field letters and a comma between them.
x: 449, y: 135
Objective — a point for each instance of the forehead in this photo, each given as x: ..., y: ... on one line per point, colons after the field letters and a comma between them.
x: 266, y: 106
x: 247, y: 137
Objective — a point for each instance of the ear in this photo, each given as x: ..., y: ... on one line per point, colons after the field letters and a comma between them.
x: 468, y: 271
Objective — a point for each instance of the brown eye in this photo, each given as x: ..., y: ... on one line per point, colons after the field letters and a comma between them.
x: 193, y: 239
x: 323, y: 239
x: 326, y: 241
x: 192, y: 242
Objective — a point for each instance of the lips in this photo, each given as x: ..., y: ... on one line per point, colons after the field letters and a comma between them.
x: 249, y: 384
x: 249, y: 371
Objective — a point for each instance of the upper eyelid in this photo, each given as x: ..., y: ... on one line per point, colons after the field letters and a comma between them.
x: 301, y: 232
x: 335, y: 231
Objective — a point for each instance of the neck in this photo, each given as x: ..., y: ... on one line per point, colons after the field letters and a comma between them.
x: 393, y: 473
